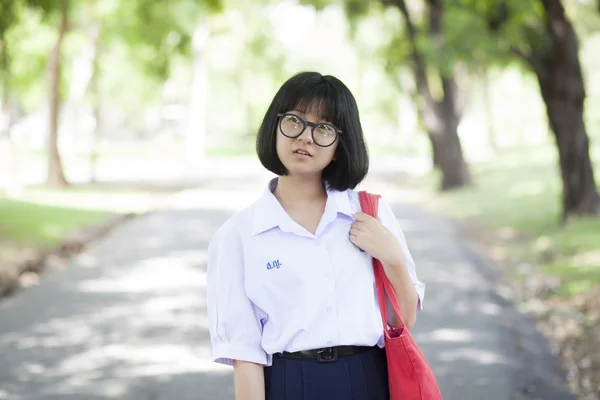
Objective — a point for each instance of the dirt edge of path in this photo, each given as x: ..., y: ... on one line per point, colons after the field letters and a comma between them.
x: 30, y: 268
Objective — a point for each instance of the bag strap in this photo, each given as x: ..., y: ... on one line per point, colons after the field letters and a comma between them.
x: 369, y: 204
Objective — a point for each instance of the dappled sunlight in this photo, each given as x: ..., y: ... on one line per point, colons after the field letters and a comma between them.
x: 468, y: 322
x: 139, y: 327
x: 102, y: 200
x: 524, y: 189
x: 138, y: 323
x: 150, y: 275
x: 475, y: 355
x: 52, y: 231
x: 139, y: 360
x: 216, y: 199
x: 590, y: 258
x: 142, y: 139
x: 447, y: 335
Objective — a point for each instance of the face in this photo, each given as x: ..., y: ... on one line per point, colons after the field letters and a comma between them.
x: 301, y: 155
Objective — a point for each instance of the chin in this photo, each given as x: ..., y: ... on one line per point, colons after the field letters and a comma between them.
x: 303, y: 170
x: 313, y: 166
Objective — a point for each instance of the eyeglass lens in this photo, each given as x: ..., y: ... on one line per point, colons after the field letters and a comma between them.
x: 292, y: 126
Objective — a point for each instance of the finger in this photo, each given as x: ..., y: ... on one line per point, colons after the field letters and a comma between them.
x: 361, y: 216
x: 352, y: 238
x: 355, y: 241
x: 357, y: 226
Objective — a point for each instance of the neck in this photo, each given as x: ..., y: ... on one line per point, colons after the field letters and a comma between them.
x: 299, y: 190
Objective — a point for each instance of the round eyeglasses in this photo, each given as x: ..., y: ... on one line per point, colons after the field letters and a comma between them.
x: 292, y: 126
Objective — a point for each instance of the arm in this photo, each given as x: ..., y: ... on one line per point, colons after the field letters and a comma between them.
x: 234, y: 321
x: 404, y: 288
x: 400, y: 269
x: 385, y: 241
x: 249, y: 380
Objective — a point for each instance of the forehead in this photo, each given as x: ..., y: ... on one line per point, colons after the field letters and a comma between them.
x: 315, y: 109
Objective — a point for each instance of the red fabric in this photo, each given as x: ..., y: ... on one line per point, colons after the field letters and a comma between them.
x: 410, y: 376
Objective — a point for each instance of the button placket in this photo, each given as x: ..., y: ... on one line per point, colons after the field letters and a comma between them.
x: 329, y: 293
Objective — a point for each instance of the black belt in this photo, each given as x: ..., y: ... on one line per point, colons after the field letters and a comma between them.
x: 327, y: 354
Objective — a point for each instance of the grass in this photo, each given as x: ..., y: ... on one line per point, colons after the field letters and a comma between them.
x: 42, y: 218
x: 517, y: 195
x: 41, y: 225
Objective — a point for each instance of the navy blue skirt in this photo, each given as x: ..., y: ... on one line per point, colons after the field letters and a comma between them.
x: 360, y: 376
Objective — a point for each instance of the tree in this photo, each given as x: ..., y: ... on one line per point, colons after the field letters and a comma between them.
x: 440, y: 117
x: 165, y: 28
x: 56, y: 175
x: 564, y: 98
x: 156, y: 34
x: 539, y: 34
x: 55, y: 13
x: 8, y: 17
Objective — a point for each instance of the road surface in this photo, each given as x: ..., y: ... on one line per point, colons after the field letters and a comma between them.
x: 127, y: 320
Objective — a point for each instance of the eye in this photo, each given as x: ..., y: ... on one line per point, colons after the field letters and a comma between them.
x: 326, y: 129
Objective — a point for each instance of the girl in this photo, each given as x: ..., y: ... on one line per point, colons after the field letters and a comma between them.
x: 291, y: 293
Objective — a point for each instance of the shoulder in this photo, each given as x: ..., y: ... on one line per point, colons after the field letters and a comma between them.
x: 235, y: 228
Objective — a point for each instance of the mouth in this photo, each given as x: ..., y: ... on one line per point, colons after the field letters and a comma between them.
x: 302, y: 152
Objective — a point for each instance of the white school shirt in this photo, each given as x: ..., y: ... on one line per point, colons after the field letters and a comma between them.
x: 272, y: 286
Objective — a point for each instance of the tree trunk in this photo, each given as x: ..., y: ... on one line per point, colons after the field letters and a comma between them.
x: 455, y: 172
x: 489, y: 114
x: 434, y: 138
x: 196, y: 131
x: 94, y: 94
x: 56, y: 175
x: 14, y: 184
x: 440, y: 118
x: 561, y: 82
x: 437, y: 148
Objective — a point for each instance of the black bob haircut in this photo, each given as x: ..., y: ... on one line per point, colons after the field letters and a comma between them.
x: 327, y: 97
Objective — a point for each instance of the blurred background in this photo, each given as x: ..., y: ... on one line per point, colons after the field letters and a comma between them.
x: 490, y: 109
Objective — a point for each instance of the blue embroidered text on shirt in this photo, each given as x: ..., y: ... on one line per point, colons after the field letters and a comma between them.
x: 275, y: 264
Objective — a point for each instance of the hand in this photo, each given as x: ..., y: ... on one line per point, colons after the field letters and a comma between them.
x: 369, y: 235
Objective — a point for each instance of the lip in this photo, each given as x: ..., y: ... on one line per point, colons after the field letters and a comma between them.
x: 308, y: 154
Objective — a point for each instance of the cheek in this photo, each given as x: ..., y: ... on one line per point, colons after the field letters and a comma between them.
x: 330, y: 152
x: 279, y: 143
x: 282, y: 149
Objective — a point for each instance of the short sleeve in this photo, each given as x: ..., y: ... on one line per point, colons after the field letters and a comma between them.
x: 234, y: 323
x: 389, y: 220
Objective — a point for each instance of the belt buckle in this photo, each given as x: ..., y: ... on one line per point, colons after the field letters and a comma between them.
x: 328, y: 354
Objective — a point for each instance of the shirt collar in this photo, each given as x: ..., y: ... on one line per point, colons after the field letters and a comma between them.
x: 268, y: 212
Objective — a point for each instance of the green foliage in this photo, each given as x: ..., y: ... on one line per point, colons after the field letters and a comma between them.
x: 7, y: 15
x: 46, y: 6
x: 155, y: 31
x: 30, y: 42
x: 319, y: 5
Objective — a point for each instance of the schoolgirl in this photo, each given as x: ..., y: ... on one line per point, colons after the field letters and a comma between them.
x: 291, y: 297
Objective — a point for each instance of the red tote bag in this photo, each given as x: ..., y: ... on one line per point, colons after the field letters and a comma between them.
x: 410, y: 376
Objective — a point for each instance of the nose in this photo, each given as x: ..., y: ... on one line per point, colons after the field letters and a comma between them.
x: 306, y: 135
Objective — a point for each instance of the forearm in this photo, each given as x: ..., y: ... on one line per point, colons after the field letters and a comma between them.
x: 249, y: 381
x: 405, y: 291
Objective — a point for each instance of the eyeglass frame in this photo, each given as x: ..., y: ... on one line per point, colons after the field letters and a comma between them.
x: 313, y: 126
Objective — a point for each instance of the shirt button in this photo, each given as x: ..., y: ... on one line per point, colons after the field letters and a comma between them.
x: 329, y: 309
x: 330, y: 343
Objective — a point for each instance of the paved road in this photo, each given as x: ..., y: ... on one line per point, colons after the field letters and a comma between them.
x: 128, y: 321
